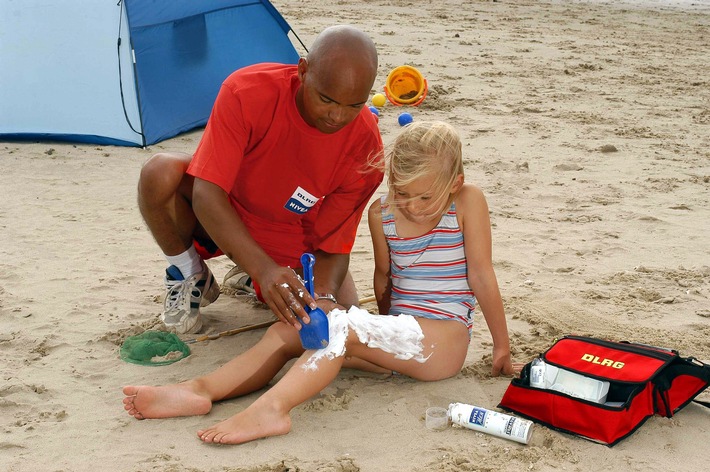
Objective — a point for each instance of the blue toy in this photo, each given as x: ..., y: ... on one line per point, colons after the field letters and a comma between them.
x: 404, y: 119
x: 314, y: 335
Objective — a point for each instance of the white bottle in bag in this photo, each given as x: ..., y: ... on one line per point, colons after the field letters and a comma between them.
x: 491, y: 422
x: 548, y: 376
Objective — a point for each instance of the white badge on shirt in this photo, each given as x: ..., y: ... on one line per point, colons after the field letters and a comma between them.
x: 301, y: 201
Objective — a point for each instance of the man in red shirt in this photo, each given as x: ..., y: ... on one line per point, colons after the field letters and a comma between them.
x: 285, y: 166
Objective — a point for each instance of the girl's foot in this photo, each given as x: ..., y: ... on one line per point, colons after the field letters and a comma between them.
x: 252, y: 423
x: 167, y: 401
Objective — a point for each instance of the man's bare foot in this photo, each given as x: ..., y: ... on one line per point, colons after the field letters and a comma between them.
x: 167, y: 401
x: 252, y: 423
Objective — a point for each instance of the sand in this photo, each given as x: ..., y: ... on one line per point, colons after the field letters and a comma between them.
x: 587, y: 124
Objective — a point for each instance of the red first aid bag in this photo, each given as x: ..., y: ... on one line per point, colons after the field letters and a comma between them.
x: 642, y: 381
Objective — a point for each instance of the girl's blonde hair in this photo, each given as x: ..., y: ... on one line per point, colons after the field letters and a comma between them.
x: 425, y: 148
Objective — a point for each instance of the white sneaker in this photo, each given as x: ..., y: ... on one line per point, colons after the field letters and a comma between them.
x: 238, y: 282
x: 181, y: 308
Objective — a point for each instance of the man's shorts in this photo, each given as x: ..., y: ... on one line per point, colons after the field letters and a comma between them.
x: 207, y: 249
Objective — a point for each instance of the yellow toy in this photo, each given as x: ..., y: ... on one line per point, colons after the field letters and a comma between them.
x: 405, y: 86
x: 378, y: 100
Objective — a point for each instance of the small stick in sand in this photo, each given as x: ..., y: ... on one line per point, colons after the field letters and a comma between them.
x: 266, y: 324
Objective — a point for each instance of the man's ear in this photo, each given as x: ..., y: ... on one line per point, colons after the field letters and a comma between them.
x: 302, y: 68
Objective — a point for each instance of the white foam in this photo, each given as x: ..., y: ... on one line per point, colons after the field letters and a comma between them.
x: 398, y: 335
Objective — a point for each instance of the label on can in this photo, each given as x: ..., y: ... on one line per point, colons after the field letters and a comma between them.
x: 478, y: 416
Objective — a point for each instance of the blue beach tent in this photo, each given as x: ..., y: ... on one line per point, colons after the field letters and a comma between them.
x: 126, y: 72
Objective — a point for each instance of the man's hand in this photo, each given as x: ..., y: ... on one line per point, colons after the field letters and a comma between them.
x: 284, y: 292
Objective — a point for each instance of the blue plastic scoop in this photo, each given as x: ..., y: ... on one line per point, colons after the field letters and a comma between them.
x: 314, y: 335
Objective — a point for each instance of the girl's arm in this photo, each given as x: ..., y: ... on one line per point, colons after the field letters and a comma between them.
x: 472, y: 211
x: 381, y: 281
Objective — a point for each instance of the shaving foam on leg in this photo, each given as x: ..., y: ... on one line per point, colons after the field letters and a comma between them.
x: 398, y: 335
x: 337, y: 333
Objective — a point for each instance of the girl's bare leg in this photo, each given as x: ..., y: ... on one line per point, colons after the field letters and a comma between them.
x: 244, y: 374
x: 269, y: 414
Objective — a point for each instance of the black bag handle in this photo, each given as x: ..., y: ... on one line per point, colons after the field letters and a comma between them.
x: 682, y: 366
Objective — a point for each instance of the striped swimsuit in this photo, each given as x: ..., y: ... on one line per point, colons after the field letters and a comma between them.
x: 429, y: 275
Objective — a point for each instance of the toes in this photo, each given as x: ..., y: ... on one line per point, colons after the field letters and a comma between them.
x: 210, y: 436
x: 134, y: 413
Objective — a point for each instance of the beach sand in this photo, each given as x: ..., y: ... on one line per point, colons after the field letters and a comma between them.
x: 587, y: 125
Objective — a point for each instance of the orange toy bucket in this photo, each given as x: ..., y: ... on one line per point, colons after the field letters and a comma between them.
x: 405, y: 86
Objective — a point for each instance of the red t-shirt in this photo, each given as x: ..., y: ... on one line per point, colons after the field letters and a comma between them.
x: 295, y: 188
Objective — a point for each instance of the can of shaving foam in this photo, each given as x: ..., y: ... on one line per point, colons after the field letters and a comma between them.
x: 491, y: 422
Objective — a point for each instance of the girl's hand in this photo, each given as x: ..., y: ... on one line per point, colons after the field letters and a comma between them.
x: 502, y: 363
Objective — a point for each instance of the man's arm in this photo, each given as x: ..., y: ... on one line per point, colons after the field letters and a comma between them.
x: 329, y: 273
x: 280, y: 286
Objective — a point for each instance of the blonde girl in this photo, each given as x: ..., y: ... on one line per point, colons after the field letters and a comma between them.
x: 432, y: 242
x: 428, y: 338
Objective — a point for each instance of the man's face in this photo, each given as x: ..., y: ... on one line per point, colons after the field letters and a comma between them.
x: 329, y: 100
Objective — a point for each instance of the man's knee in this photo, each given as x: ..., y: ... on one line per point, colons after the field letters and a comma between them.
x: 347, y: 293
x: 162, y: 174
x: 165, y: 166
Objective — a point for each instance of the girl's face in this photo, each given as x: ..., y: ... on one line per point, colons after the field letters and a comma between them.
x: 419, y: 202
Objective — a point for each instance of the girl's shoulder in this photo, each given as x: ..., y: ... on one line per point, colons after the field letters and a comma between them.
x: 470, y: 196
x: 375, y: 210
x: 471, y: 206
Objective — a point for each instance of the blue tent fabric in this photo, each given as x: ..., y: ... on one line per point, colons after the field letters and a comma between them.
x: 144, y: 71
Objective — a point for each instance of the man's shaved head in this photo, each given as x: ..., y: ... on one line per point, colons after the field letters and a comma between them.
x: 344, y: 47
x: 337, y: 77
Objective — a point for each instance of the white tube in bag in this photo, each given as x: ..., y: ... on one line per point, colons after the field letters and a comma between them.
x: 491, y: 422
x: 546, y: 376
